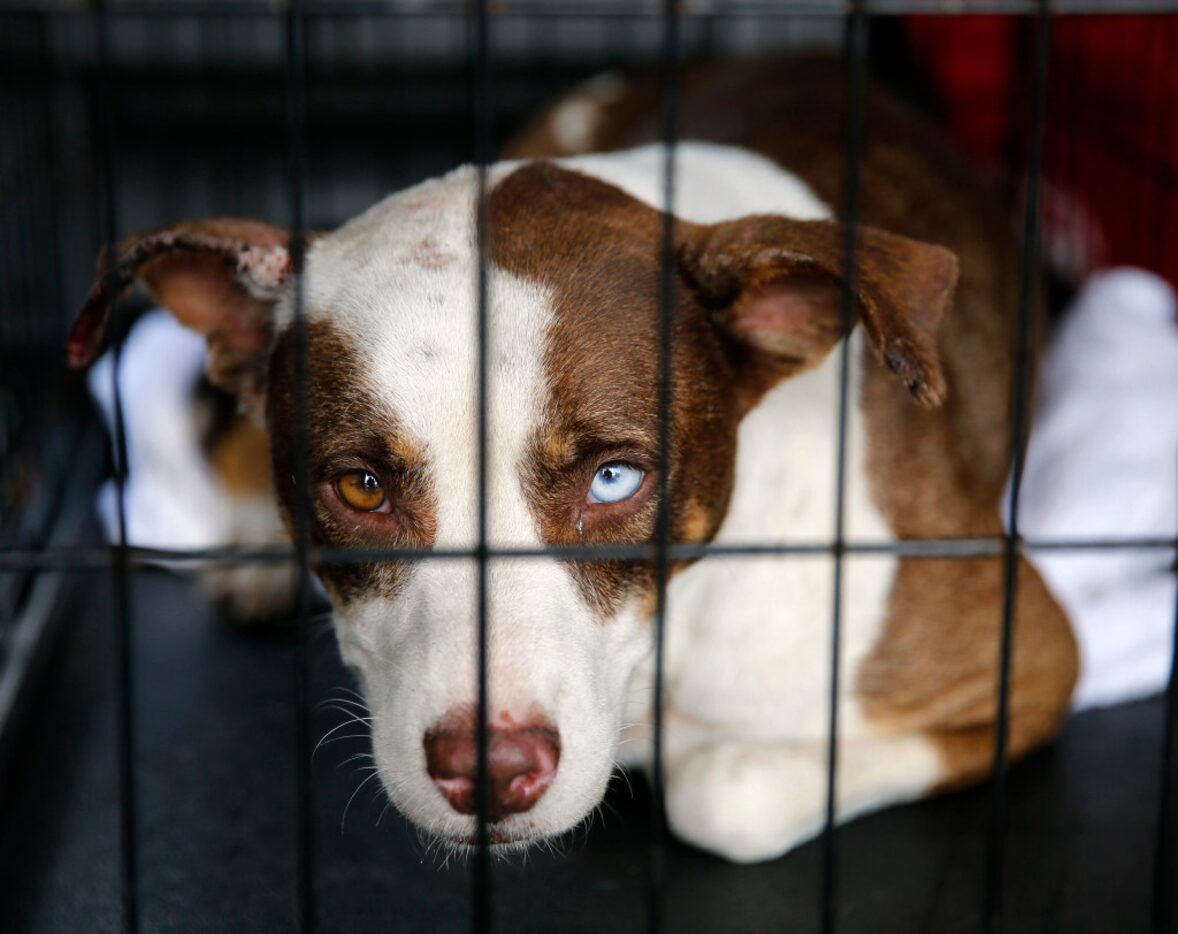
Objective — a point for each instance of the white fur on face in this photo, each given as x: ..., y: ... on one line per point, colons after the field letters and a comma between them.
x: 400, y: 281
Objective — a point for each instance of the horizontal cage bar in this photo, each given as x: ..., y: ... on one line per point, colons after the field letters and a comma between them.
x: 582, y: 9
x: 100, y: 557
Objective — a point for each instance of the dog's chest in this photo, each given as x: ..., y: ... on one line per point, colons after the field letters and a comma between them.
x: 749, y: 638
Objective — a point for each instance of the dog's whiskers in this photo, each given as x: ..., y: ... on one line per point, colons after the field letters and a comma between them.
x: 344, y: 818
x: 349, y: 695
x: 327, y: 737
x: 618, y: 770
x: 339, y: 739
x: 383, y: 812
x: 337, y: 702
x: 346, y: 711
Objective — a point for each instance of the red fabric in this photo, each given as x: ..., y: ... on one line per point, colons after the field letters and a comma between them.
x: 972, y: 62
x: 1110, y: 166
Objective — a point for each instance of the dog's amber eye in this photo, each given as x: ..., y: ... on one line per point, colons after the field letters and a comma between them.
x: 361, y: 490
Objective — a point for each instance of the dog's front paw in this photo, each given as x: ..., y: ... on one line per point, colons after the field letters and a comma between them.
x: 747, y: 802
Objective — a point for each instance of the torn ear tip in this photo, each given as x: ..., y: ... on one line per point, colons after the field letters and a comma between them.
x: 926, y: 384
x: 929, y: 392
x: 928, y: 395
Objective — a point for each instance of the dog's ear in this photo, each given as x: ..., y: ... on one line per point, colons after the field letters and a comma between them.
x: 220, y: 277
x: 774, y: 283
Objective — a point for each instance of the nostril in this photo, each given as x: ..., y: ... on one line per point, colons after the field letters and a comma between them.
x: 521, y: 764
x: 451, y: 760
x: 459, y: 792
x: 450, y: 755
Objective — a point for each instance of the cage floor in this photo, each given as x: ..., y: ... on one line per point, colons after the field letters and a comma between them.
x: 218, y: 832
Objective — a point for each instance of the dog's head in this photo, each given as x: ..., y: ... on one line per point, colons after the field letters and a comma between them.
x: 572, y: 438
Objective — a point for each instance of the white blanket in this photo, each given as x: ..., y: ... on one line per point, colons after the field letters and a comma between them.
x: 172, y: 497
x: 1103, y: 463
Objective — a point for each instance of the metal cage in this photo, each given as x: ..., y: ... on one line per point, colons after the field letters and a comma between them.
x: 81, y: 157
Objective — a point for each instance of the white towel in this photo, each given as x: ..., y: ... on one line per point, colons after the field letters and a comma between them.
x: 1103, y: 462
x: 172, y: 498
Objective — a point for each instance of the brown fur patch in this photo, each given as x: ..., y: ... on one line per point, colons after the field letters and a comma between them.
x: 935, y: 665
x: 698, y: 522
x: 348, y: 429
x: 924, y: 675
x: 240, y: 457
x: 559, y: 446
x: 598, y: 251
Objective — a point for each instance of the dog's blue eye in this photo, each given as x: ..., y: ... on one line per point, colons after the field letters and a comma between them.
x: 615, y: 482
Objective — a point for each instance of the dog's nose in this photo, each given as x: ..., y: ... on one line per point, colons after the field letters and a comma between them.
x: 521, y: 762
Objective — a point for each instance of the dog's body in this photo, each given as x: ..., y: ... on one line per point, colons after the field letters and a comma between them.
x: 574, y: 284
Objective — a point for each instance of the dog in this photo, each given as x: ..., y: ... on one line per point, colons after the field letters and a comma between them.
x: 574, y: 251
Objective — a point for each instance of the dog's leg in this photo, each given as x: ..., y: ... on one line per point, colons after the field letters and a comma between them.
x: 749, y: 801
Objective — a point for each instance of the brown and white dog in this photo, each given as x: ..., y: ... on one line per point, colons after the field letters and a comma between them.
x: 574, y: 286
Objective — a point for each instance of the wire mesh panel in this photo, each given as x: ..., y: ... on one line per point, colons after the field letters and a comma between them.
x: 305, y: 116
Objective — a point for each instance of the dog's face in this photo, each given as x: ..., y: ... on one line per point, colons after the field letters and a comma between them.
x: 572, y: 440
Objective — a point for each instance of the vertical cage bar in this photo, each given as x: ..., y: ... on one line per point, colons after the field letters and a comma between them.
x: 1020, y: 394
x: 656, y: 880
x: 121, y: 570
x: 1162, y: 909
x: 482, y: 102
x: 53, y: 266
x: 855, y: 51
x: 296, y: 141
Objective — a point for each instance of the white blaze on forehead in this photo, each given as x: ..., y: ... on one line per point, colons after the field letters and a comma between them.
x: 401, y: 281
